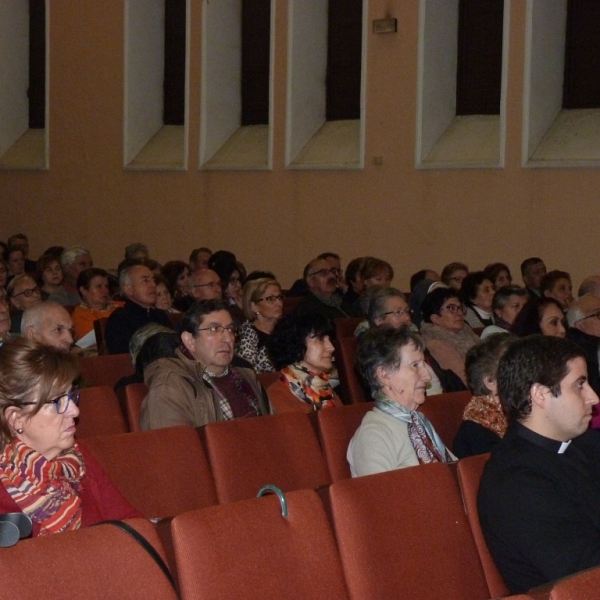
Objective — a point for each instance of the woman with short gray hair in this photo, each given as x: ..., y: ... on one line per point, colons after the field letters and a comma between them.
x: 506, y: 305
x: 394, y: 435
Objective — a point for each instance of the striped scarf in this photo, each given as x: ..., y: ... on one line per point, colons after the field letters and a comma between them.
x: 312, y: 388
x: 45, y: 490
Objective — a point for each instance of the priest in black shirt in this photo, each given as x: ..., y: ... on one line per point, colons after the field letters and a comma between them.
x: 539, y: 498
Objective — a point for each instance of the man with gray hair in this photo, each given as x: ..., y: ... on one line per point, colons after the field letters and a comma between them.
x: 590, y: 285
x: 584, y: 329
x: 138, y: 287
x: 73, y: 261
x: 50, y: 324
x: 136, y: 251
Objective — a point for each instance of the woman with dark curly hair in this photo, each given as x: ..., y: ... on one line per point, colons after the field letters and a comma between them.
x: 177, y: 273
x: 300, y: 346
x: 540, y: 316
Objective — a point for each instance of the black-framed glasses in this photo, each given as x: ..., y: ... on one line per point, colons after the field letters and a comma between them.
x: 400, y: 312
x: 219, y: 329
x: 272, y: 299
x: 455, y: 308
x: 28, y: 293
x: 333, y: 271
x: 594, y: 314
x: 62, y: 402
x: 210, y: 284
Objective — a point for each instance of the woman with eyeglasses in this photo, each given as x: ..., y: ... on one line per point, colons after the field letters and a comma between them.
x: 300, y: 347
x: 23, y: 293
x: 446, y: 334
x: 453, y: 275
x: 44, y: 472
x: 263, y: 306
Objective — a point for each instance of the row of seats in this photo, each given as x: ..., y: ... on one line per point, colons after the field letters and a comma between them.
x: 400, y: 534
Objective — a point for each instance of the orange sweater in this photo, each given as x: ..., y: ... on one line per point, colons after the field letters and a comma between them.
x: 83, y: 318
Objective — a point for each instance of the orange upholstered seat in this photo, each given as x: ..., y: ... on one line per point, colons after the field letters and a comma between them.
x: 246, y: 454
x: 351, y: 390
x: 581, y: 586
x: 249, y: 550
x: 94, y: 563
x: 404, y: 534
x: 445, y: 412
x: 336, y: 428
x: 105, y: 370
x: 162, y: 472
x: 131, y: 397
x: 99, y: 413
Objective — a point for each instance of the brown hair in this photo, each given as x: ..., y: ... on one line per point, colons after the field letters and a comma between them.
x: 30, y: 371
x: 253, y: 290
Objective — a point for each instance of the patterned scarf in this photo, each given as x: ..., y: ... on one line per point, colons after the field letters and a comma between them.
x: 487, y: 411
x: 424, y: 438
x: 313, y: 388
x: 45, y: 490
x: 462, y: 341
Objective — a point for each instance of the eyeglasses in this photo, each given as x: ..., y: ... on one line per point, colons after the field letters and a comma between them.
x: 333, y: 271
x: 234, y: 280
x: 401, y: 312
x: 61, y: 403
x: 271, y: 299
x: 455, y: 308
x: 594, y: 314
x: 28, y: 293
x: 211, y: 284
x: 457, y: 279
x: 218, y: 329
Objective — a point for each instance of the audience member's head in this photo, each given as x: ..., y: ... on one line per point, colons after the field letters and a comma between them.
x: 140, y: 336
x: 557, y: 285
x: 199, y: 258
x: 353, y: 279
x: 590, y: 285
x: 419, y: 276
x: 162, y: 344
x: 540, y: 316
x: 262, y: 300
x: 453, y: 274
x: 477, y: 291
x: 177, y: 273
x: 584, y: 314
x: 375, y: 271
x: 507, y: 304
x: 442, y: 307
x: 23, y: 292
x: 205, y: 284
x: 48, y: 271
x: 92, y: 284
x: 164, y: 300
x: 532, y: 271
x: 50, y: 324
x: 137, y: 284
x: 499, y: 274
x: 259, y: 275
x: 19, y: 240
x: 481, y: 363
x: 15, y: 259
x: 321, y: 278
x: 388, y: 307
x: 136, y: 250
x: 74, y: 260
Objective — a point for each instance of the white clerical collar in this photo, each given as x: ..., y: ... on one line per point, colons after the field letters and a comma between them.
x: 563, y: 447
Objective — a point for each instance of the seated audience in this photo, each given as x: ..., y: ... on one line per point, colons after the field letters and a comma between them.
x: 20, y: 240
x: 48, y: 274
x: 300, y: 287
x: 477, y: 294
x: 23, y: 293
x: 231, y: 283
x: 354, y: 287
x: 4, y: 317
x: 532, y: 271
x: 204, y: 284
x: 590, y: 285
x: 394, y: 435
x: 453, y: 275
x: 97, y: 303
x: 539, y: 491
x: 45, y: 473
x: 199, y: 385
x: 73, y: 260
x: 376, y: 272
x: 263, y: 305
x: 199, y: 258
x: 136, y: 251
x: 137, y: 286
x: 557, y: 285
x: 300, y: 347
x: 446, y: 334
x: 484, y: 423
x: 3, y: 273
x: 177, y: 274
x: 506, y: 305
x: 540, y: 316
x: 499, y: 274
x: 15, y: 259
x: 164, y: 300
x: 50, y: 324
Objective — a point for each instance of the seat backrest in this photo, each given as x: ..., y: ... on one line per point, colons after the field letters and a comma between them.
x: 267, y: 378
x: 105, y: 370
x: 404, y: 534
x: 469, y: 474
x: 132, y: 397
x: 249, y: 550
x: 94, y: 563
x: 162, y: 472
x: 247, y: 454
x: 336, y: 428
x: 584, y: 584
x: 290, y: 303
x: 100, y: 331
x: 345, y: 327
x: 351, y: 389
x: 99, y: 413
x: 445, y: 411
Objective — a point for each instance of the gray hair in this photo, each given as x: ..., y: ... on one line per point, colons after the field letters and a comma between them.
x: 378, y: 303
x: 380, y: 347
x: 133, y: 249
x: 575, y: 312
x: 16, y: 280
x: 34, y: 317
x: 70, y: 255
x: 141, y: 335
x: 125, y: 276
x: 590, y: 285
x: 503, y: 294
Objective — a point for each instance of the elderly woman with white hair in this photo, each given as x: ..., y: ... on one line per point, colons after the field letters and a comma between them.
x: 73, y: 261
x: 394, y: 434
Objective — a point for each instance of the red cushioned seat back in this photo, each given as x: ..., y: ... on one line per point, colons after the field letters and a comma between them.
x: 99, y: 413
x: 249, y: 550
x: 336, y: 428
x: 162, y: 472
x: 469, y: 474
x: 246, y: 454
x: 445, y: 411
x: 404, y: 534
x: 345, y: 327
x: 351, y: 389
x: 134, y: 396
x: 105, y: 370
x: 582, y: 585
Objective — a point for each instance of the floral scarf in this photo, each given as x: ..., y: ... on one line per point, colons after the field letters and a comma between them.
x: 487, y: 411
x: 45, y: 490
x: 312, y: 388
x: 424, y: 438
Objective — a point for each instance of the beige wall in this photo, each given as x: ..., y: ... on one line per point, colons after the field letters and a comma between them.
x: 279, y: 219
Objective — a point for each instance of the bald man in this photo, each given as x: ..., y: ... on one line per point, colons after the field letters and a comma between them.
x: 50, y: 324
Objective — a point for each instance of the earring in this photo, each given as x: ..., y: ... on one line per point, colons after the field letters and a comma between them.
x: 19, y: 431
x: 257, y: 314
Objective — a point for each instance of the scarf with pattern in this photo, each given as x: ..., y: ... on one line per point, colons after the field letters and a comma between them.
x: 45, y: 490
x: 424, y: 438
x: 462, y: 341
x: 487, y: 411
x: 313, y: 388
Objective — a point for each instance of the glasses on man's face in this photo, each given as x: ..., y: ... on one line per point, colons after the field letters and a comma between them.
x: 594, y: 314
x: 28, y: 293
x: 219, y: 329
x: 61, y: 403
x: 333, y: 271
x: 211, y: 284
x: 455, y: 308
x: 271, y: 299
x: 401, y: 312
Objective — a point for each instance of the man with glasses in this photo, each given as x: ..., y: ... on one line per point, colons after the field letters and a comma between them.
x: 23, y: 293
x: 204, y: 284
x: 50, y: 324
x: 583, y: 317
x: 532, y: 271
x: 200, y: 385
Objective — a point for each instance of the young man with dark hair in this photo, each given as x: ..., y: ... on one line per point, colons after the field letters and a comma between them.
x: 540, y: 491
